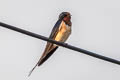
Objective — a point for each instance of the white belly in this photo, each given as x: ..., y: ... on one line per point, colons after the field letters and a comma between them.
x: 64, y: 32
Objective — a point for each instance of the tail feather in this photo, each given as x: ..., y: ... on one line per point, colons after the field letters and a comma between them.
x: 47, y: 56
x: 41, y: 61
x: 32, y: 69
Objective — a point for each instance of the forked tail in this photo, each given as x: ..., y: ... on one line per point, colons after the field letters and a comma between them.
x: 32, y: 69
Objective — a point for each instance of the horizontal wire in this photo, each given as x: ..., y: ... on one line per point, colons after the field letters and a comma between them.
x: 60, y: 43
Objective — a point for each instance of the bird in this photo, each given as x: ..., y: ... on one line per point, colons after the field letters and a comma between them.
x: 60, y: 32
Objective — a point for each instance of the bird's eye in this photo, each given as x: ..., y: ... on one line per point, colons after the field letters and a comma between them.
x: 65, y: 15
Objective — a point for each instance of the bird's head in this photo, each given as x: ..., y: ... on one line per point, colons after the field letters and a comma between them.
x: 65, y: 16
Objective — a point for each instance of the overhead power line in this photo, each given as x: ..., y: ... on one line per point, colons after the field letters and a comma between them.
x: 60, y: 43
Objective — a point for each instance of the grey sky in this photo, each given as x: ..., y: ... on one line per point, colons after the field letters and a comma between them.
x: 95, y: 27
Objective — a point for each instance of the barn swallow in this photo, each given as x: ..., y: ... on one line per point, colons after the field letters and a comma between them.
x: 60, y: 32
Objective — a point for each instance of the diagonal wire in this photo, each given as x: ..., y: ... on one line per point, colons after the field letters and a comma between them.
x: 60, y: 43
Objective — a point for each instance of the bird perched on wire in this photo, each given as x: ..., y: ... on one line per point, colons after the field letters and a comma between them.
x: 60, y: 32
